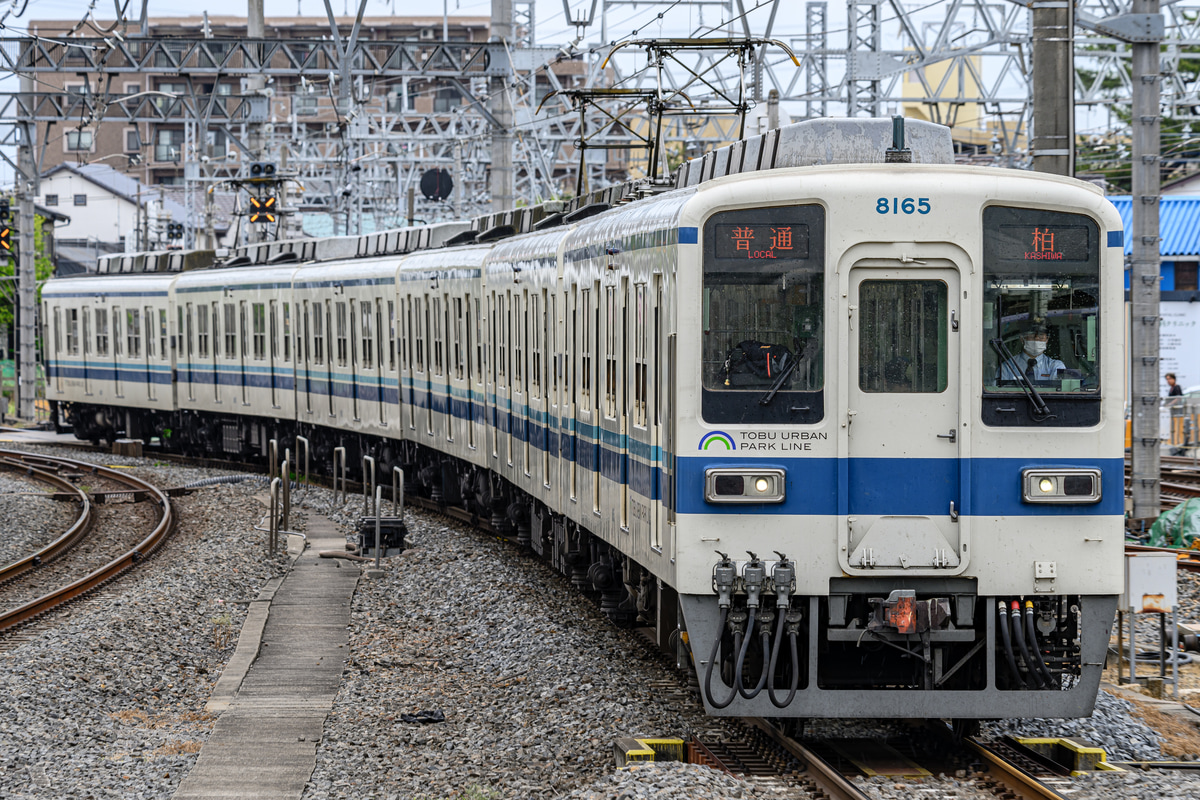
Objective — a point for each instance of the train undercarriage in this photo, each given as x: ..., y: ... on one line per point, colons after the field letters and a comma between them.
x: 871, y: 647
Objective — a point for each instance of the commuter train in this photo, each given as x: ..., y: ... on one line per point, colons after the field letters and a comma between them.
x: 790, y: 412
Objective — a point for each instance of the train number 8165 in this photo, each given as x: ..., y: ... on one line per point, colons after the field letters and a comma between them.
x: 907, y: 205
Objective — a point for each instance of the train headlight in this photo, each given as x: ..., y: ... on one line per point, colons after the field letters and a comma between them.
x: 1060, y: 485
x: 736, y: 485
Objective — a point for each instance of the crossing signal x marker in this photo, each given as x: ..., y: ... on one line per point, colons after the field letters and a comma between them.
x: 262, y: 210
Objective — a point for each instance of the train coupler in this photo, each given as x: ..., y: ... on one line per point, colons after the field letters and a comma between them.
x: 902, y: 612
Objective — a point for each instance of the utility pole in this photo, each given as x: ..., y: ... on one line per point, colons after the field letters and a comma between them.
x: 27, y: 187
x: 500, y: 106
x: 1053, y: 140
x: 1147, y: 23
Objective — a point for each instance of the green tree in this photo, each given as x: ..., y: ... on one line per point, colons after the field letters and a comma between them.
x: 1110, y: 156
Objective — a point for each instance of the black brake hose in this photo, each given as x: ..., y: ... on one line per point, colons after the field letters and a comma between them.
x: 795, y: 682
x: 1010, y: 657
x: 1033, y: 679
x: 1031, y: 635
x: 712, y: 659
x: 765, y: 637
x: 741, y: 656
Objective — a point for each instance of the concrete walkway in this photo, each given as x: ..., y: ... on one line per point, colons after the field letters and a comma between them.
x: 279, y: 686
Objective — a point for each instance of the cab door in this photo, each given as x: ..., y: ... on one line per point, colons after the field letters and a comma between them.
x: 904, y: 478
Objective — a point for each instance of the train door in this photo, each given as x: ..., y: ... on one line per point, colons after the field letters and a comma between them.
x: 189, y: 312
x: 353, y: 362
x: 147, y: 354
x: 85, y: 320
x: 904, y: 432
x: 549, y: 360
x: 243, y: 351
x: 620, y: 349
x: 117, y: 324
x: 55, y: 349
x: 164, y: 350
x: 273, y: 348
x: 380, y: 356
x: 492, y: 415
x: 651, y: 390
x: 571, y: 379
x: 528, y: 359
x: 329, y: 350
x: 450, y: 347
x: 304, y: 362
x: 472, y: 369
x: 506, y: 367
x: 591, y: 338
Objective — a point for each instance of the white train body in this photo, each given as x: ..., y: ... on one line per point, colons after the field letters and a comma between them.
x: 778, y: 411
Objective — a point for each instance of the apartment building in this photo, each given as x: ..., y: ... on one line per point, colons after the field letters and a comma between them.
x: 157, y: 153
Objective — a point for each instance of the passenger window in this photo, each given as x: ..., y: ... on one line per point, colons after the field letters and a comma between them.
x: 902, y: 336
x: 101, y: 331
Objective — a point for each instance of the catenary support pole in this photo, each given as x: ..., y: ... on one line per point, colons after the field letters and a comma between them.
x: 1053, y: 141
x: 27, y: 188
x: 500, y: 106
x: 1144, y: 273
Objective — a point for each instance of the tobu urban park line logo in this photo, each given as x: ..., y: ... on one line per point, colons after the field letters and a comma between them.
x: 717, y: 440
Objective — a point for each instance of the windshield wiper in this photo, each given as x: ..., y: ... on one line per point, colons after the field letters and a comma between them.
x: 1041, y: 410
x: 774, y: 390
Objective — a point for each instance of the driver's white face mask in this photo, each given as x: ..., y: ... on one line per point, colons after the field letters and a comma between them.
x: 1034, y: 348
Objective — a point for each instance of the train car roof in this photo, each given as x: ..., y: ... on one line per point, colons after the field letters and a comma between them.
x: 111, y: 285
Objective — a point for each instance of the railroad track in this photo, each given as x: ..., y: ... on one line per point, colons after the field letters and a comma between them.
x: 755, y: 749
x: 765, y: 755
x: 63, y: 543
x: 59, y: 471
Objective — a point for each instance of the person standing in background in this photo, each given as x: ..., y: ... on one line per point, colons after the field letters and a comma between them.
x: 1173, y: 389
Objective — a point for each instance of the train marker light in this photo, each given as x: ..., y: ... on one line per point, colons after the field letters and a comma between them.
x: 738, y: 485
x: 1049, y: 485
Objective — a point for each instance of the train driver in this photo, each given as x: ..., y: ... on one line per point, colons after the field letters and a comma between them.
x: 1039, y: 367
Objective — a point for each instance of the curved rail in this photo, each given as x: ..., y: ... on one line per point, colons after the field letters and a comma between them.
x: 63, y: 543
x: 146, y: 547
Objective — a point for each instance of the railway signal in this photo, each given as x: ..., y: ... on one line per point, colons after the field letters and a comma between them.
x: 262, y: 210
x: 6, y: 245
x: 262, y: 170
x: 174, y: 230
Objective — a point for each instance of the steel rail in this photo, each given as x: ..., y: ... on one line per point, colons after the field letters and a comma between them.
x: 69, y: 538
x: 1021, y: 780
x: 145, y: 548
x: 828, y: 777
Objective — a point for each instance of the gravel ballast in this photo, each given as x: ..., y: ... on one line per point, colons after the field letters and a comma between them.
x: 30, y: 520
x: 533, y: 682
x: 108, y: 702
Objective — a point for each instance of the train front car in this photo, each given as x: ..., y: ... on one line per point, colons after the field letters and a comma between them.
x: 899, y: 450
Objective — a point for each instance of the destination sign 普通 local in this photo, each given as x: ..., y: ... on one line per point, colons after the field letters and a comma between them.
x: 1042, y: 243
x: 744, y: 240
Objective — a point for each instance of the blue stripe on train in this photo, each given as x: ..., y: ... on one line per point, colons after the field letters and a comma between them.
x: 915, y: 486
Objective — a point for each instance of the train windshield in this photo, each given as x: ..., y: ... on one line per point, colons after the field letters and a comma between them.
x: 763, y: 315
x: 1041, y: 304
